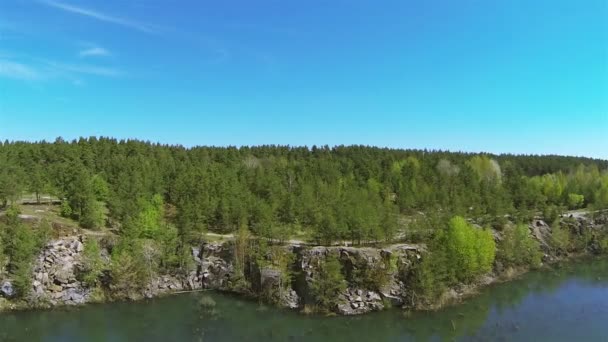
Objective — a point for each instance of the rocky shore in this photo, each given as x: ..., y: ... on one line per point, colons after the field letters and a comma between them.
x: 55, y: 274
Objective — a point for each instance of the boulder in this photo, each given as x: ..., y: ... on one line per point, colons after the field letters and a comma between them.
x: 55, y: 288
x: 290, y: 299
x: 8, y: 290
x: 62, y: 277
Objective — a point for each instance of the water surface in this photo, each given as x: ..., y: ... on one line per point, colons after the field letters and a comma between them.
x: 567, y: 303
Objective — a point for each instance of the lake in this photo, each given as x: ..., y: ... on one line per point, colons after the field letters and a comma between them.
x: 565, y: 303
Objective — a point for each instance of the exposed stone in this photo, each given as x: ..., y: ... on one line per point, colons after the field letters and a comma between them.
x: 55, y: 288
x: 7, y: 289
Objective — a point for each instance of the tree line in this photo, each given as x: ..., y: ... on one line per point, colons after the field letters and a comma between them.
x: 357, y: 193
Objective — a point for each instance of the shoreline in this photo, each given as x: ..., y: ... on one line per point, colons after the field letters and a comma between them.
x: 462, y: 294
x: 452, y: 296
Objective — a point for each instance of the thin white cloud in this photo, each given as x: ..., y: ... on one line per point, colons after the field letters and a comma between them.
x: 18, y: 71
x: 94, y: 51
x: 100, y: 16
x: 85, y: 69
x: 46, y: 70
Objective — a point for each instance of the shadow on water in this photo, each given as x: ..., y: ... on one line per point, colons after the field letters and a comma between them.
x: 565, y: 303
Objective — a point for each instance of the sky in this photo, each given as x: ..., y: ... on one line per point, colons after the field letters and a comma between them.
x: 499, y: 76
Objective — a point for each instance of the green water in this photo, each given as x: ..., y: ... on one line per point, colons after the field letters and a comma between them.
x: 568, y: 303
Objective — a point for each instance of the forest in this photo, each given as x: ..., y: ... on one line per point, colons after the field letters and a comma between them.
x: 152, y: 202
x: 356, y: 193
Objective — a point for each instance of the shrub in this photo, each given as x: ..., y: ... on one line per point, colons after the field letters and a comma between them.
x: 128, y: 271
x: 92, y: 263
x: 370, y: 276
x: 430, y: 276
x: 457, y: 254
x: 575, y: 201
x: 470, y: 250
x: 604, y: 245
x: 560, y: 237
x: 22, y: 277
x: 518, y: 248
x: 328, y: 283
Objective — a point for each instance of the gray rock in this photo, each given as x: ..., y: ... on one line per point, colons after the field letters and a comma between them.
x: 62, y: 277
x: 290, y: 299
x: 79, y: 247
x: 196, y: 254
x: 74, y: 296
x: 7, y: 289
x: 373, y: 296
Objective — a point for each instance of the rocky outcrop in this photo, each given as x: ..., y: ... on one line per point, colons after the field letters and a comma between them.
x: 375, y: 278
x: 357, y: 301
x: 215, y: 266
x: 55, y: 273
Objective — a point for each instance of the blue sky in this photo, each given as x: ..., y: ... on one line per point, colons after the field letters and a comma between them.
x: 499, y: 76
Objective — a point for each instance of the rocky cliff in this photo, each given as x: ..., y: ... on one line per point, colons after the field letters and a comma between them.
x: 375, y: 277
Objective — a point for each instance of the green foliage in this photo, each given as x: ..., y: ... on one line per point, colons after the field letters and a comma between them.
x: 149, y: 221
x: 128, y: 270
x: 3, y: 257
x: 242, y: 250
x: 328, y: 283
x: 93, y: 265
x: 333, y: 194
x: 551, y: 213
x: 20, y: 245
x: 487, y: 169
x: 518, y: 248
x: 471, y: 250
x: 370, y: 276
x: 66, y: 210
x: 560, y: 237
x: 458, y: 254
x: 11, y: 182
x: 21, y: 272
x: 430, y: 275
x: 575, y: 201
x: 603, y: 245
x: 91, y: 215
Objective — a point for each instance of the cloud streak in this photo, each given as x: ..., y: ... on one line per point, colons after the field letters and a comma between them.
x: 46, y: 70
x: 100, y: 16
x: 18, y: 71
x: 94, y: 51
x: 85, y: 69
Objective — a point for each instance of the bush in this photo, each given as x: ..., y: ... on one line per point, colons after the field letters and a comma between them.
x: 328, y: 283
x: 458, y: 254
x: 604, y: 245
x: 470, y: 250
x: 92, y: 215
x: 128, y: 271
x: 551, y: 213
x: 66, y: 210
x: 370, y: 276
x: 575, y: 201
x: 22, y: 277
x: 430, y: 276
x: 518, y: 248
x: 92, y: 263
x: 19, y: 245
x: 560, y: 237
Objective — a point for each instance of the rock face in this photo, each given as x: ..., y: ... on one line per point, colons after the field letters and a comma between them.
x: 374, y: 277
x: 391, y: 264
x: 355, y: 302
x: 55, y: 273
x: 215, y: 268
